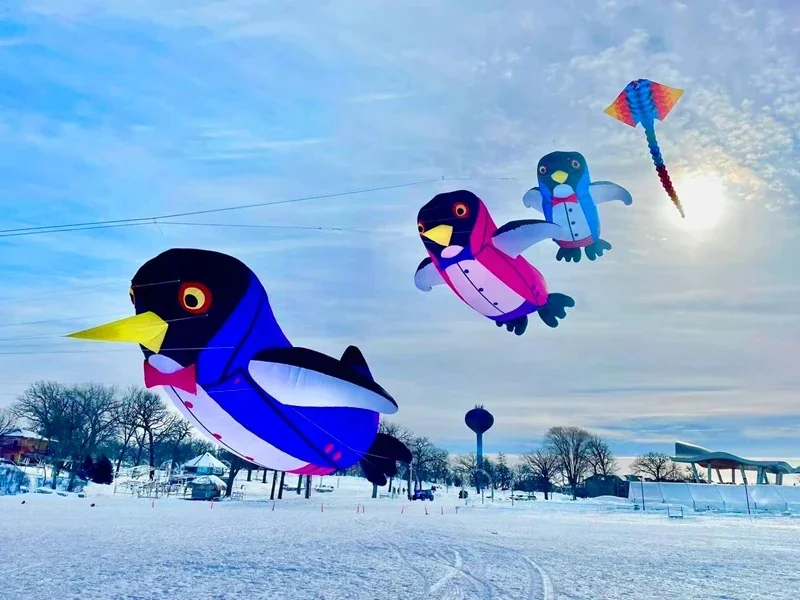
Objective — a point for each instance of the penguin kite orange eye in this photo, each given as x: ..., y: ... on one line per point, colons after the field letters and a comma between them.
x: 575, y: 164
x: 420, y: 227
x: 542, y: 169
x: 460, y: 210
x: 195, y: 298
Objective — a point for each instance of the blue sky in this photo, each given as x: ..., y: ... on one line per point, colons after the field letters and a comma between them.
x: 144, y: 107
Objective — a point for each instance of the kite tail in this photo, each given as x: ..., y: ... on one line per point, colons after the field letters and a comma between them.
x: 661, y: 169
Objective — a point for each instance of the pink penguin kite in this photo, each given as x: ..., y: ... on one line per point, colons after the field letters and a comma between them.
x: 482, y: 264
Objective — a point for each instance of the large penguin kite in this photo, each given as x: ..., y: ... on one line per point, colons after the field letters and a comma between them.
x: 206, y: 328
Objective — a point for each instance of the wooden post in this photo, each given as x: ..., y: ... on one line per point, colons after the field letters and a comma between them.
x: 280, y: 489
x: 274, y: 480
x: 264, y: 478
x: 249, y: 474
x: 308, y: 487
x: 299, y: 484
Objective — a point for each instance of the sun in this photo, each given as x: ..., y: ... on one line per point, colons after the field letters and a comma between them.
x: 704, y: 202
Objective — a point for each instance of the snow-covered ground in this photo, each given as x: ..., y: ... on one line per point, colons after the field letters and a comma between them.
x: 326, y: 548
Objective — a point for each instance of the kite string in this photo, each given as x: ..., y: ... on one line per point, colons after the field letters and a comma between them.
x: 159, y: 219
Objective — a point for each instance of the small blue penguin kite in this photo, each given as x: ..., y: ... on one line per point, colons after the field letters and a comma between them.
x: 566, y: 196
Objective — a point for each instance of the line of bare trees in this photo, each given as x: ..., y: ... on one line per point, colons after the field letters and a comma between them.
x: 568, y: 455
x: 94, y: 419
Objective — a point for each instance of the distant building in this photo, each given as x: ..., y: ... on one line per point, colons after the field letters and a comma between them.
x: 207, y: 487
x: 717, y: 461
x: 21, y: 445
x: 205, y: 464
x: 605, y: 485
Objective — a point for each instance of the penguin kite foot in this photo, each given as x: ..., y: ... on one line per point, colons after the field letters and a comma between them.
x: 569, y: 254
x: 381, y: 459
x: 555, y: 309
x: 595, y: 250
x: 516, y: 326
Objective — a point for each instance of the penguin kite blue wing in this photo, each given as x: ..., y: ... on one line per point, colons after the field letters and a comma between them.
x: 427, y: 276
x: 533, y: 199
x: 515, y: 237
x: 608, y: 191
x: 305, y: 378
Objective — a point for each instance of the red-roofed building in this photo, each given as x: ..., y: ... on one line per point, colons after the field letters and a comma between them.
x: 18, y: 444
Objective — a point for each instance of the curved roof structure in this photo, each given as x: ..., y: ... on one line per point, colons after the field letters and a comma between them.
x: 689, y: 453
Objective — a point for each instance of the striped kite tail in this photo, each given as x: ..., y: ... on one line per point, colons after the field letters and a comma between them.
x: 661, y: 169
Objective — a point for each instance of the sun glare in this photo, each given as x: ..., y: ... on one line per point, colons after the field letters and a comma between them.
x: 704, y: 202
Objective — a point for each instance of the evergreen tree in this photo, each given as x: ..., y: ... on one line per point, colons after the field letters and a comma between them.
x: 87, y: 469
x: 503, y: 472
x: 103, y: 471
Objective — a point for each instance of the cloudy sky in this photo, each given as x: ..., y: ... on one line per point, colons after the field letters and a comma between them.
x: 139, y: 108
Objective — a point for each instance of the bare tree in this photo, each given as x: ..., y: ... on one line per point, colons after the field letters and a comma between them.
x: 46, y: 405
x: 76, y: 420
x: 571, y: 446
x: 543, y: 467
x: 97, y: 408
x: 8, y: 421
x: 127, y: 423
x: 423, y: 453
x: 601, y: 460
x: 237, y: 464
x: 658, y: 466
x: 466, y: 465
x: 153, y: 418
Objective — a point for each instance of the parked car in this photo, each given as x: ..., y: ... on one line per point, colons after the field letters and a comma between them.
x: 423, y: 495
x: 323, y: 489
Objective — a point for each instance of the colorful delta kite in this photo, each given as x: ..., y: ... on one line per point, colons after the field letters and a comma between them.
x: 209, y: 337
x: 567, y: 196
x: 482, y: 264
x: 643, y: 101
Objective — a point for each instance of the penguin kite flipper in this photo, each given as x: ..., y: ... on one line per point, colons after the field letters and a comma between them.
x: 381, y: 459
x: 533, y: 199
x: 304, y: 378
x: 555, y: 309
x: 427, y: 276
x: 608, y: 191
x: 515, y: 237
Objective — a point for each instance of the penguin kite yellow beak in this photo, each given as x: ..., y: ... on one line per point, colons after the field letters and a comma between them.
x: 147, y: 329
x: 441, y: 234
x: 559, y: 176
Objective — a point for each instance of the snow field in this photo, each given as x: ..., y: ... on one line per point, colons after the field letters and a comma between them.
x: 61, y: 547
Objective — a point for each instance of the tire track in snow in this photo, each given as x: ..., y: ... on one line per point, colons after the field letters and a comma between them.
x: 458, y: 573
x: 548, y: 589
x: 453, y: 572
